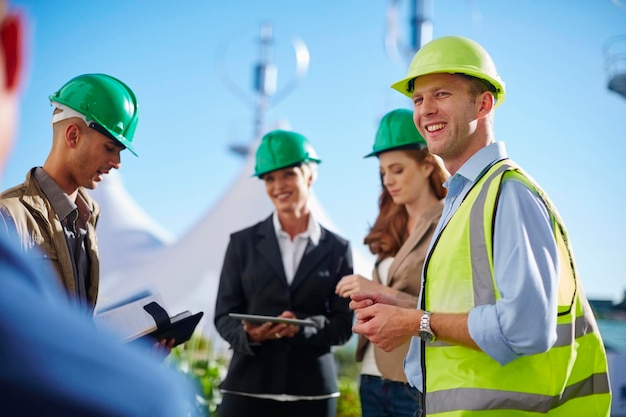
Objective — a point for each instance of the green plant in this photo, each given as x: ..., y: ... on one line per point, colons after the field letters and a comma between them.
x: 197, y: 359
x: 349, y: 403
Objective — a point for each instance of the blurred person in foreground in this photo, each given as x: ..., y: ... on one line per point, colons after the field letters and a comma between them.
x: 503, y: 326
x: 54, y: 361
x: 410, y: 206
x: 287, y: 266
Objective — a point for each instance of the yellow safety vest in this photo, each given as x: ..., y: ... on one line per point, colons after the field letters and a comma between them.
x: 568, y: 380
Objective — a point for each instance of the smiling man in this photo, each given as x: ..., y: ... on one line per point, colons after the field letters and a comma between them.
x: 94, y: 119
x: 502, y: 327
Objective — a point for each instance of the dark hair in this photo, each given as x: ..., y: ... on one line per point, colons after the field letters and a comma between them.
x: 389, y: 232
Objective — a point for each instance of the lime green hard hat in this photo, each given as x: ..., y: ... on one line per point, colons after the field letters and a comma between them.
x: 397, y: 130
x: 281, y: 149
x: 104, y: 100
x: 454, y: 55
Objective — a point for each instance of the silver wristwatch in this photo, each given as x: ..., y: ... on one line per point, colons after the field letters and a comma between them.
x: 426, y: 333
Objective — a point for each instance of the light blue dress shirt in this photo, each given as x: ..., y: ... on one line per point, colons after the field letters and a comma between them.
x: 523, y: 321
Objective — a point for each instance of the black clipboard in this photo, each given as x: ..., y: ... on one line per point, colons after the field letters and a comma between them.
x: 179, y: 327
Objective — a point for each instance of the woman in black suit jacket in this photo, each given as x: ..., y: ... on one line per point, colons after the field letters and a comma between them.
x: 287, y: 266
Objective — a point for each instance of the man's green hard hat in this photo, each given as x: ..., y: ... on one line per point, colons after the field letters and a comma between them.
x: 453, y: 55
x: 281, y: 149
x: 397, y: 131
x: 105, y: 101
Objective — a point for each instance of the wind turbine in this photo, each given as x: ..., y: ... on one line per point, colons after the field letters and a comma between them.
x: 265, y: 81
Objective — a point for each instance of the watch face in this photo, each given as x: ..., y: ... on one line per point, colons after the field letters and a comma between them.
x: 427, y: 337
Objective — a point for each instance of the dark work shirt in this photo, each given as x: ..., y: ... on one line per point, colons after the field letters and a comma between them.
x: 74, y: 217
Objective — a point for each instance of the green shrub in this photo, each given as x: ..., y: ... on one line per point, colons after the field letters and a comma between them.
x: 349, y: 403
x: 197, y: 359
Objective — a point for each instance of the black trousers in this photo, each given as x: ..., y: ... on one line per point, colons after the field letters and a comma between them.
x: 242, y: 406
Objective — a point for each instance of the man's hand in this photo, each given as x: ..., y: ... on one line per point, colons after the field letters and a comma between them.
x: 367, y: 299
x: 384, y: 323
x: 163, y: 347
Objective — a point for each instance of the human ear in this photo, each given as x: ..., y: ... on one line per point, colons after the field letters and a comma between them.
x: 11, y: 30
x: 487, y: 102
x: 72, y: 132
x: 427, y: 168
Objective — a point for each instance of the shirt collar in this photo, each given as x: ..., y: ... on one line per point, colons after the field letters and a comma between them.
x: 60, y: 201
x: 313, y: 231
x: 472, y: 169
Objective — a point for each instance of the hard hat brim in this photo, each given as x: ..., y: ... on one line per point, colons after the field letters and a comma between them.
x: 402, y: 86
x: 259, y: 174
x: 406, y: 146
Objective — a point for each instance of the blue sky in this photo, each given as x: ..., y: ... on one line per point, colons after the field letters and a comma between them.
x: 559, y: 121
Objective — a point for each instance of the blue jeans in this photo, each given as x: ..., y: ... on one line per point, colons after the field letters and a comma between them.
x: 384, y: 398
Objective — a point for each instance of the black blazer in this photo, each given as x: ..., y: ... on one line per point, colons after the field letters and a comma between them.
x: 253, y: 281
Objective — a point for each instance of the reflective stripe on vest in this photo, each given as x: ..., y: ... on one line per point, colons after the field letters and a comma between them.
x: 571, y: 375
x: 465, y: 399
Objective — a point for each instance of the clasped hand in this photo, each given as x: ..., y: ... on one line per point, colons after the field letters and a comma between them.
x: 381, y: 320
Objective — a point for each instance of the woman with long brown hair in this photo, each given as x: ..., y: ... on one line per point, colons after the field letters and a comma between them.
x: 410, y: 206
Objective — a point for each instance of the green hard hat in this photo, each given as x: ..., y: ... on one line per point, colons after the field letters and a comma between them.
x: 453, y: 55
x: 281, y: 149
x: 397, y: 130
x: 104, y: 100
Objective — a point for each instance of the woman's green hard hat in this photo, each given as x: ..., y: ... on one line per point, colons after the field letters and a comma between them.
x: 106, y: 101
x: 281, y: 149
x: 453, y: 55
x: 397, y: 130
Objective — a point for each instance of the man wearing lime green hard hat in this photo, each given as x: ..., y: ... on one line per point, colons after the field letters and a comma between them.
x: 453, y: 55
x: 94, y: 119
x: 285, y: 266
x: 502, y: 325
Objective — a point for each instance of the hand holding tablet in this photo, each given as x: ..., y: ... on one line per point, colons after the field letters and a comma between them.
x: 262, y: 319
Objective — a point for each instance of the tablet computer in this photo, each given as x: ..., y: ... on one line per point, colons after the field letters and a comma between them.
x: 262, y: 319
